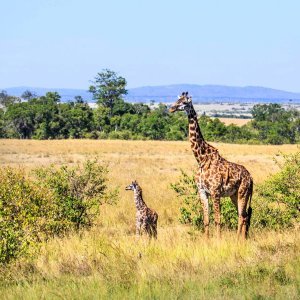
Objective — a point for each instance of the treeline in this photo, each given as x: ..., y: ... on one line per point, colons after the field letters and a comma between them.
x: 45, y: 117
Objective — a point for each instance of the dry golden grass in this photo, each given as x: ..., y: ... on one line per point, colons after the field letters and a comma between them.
x: 154, y: 164
x: 108, y: 262
x: 235, y: 121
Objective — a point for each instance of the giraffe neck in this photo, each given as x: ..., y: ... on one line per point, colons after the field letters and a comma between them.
x: 138, y: 199
x: 200, y: 148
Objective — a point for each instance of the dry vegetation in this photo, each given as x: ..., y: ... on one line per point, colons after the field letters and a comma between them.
x: 235, y: 121
x: 154, y: 164
x: 105, y: 262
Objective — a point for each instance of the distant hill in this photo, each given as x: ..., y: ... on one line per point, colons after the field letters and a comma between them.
x: 167, y: 93
x: 211, y: 93
x: 66, y: 94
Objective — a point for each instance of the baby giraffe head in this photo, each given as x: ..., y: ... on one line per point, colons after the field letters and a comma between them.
x: 134, y: 186
x: 183, y: 103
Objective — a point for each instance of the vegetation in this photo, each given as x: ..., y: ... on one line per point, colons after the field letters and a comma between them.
x: 46, y: 117
x: 276, y: 207
x: 178, y: 265
x: 106, y: 261
x: 59, y: 201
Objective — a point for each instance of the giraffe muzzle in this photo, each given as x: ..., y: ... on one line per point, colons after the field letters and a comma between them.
x: 172, y: 109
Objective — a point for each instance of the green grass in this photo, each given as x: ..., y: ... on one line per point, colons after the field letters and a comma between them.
x: 179, y: 265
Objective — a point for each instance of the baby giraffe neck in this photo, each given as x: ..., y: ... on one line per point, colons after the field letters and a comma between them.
x: 138, y: 199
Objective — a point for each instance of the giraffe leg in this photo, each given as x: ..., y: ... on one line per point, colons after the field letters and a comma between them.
x: 204, y: 199
x: 234, y: 199
x: 155, y: 230
x: 242, y: 226
x: 138, y: 230
x: 216, y: 201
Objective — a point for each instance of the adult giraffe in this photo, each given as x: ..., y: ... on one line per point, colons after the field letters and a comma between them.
x: 217, y: 177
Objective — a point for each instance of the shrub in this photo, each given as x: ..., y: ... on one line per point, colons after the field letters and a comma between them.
x: 78, y: 191
x: 25, y: 214
x: 60, y: 200
x: 279, y: 196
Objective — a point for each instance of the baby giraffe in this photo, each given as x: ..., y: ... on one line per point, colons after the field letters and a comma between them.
x: 146, y: 218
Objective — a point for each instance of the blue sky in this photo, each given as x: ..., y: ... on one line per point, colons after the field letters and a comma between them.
x: 64, y: 43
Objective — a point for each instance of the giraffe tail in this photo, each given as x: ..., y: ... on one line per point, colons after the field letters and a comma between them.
x: 249, y: 211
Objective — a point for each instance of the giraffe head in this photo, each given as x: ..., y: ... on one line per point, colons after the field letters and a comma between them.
x: 133, y: 186
x: 183, y: 102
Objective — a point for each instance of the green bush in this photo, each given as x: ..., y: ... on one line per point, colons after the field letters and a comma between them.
x: 278, y: 202
x: 26, y: 214
x: 78, y: 191
x: 58, y: 201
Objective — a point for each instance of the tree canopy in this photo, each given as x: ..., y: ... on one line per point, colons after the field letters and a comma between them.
x: 46, y: 117
x: 108, y: 89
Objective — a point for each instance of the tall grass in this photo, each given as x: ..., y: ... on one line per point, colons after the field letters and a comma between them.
x: 103, y: 263
x: 108, y: 262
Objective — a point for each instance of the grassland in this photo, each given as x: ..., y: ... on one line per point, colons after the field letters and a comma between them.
x: 109, y: 262
x: 235, y: 121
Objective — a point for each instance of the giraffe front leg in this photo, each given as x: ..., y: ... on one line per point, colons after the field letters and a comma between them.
x: 204, y: 199
x: 138, y: 230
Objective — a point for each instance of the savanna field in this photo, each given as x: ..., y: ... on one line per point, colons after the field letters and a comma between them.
x: 108, y: 262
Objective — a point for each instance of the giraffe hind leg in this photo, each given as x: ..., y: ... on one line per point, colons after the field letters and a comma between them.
x: 242, y: 212
x: 217, y: 212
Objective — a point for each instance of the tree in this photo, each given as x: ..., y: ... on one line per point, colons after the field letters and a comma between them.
x: 267, y: 112
x: 6, y: 100
x: 78, y: 119
x: 2, y: 130
x: 108, y: 89
x: 46, y: 115
x: 274, y: 124
x: 27, y: 95
x: 19, y: 118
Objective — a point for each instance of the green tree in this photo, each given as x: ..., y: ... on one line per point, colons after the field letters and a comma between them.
x: 27, y: 95
x: 19, y: 118
x: 154, y: 125
x: 77, y: 119
x: 46, y: 115
x: 2, y: 123
x: 267, y: 112
x: 212, y: 129
x: 141, y: 108
x: 6, y: 100
x: 108, y: 89
x: 274, y: 124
